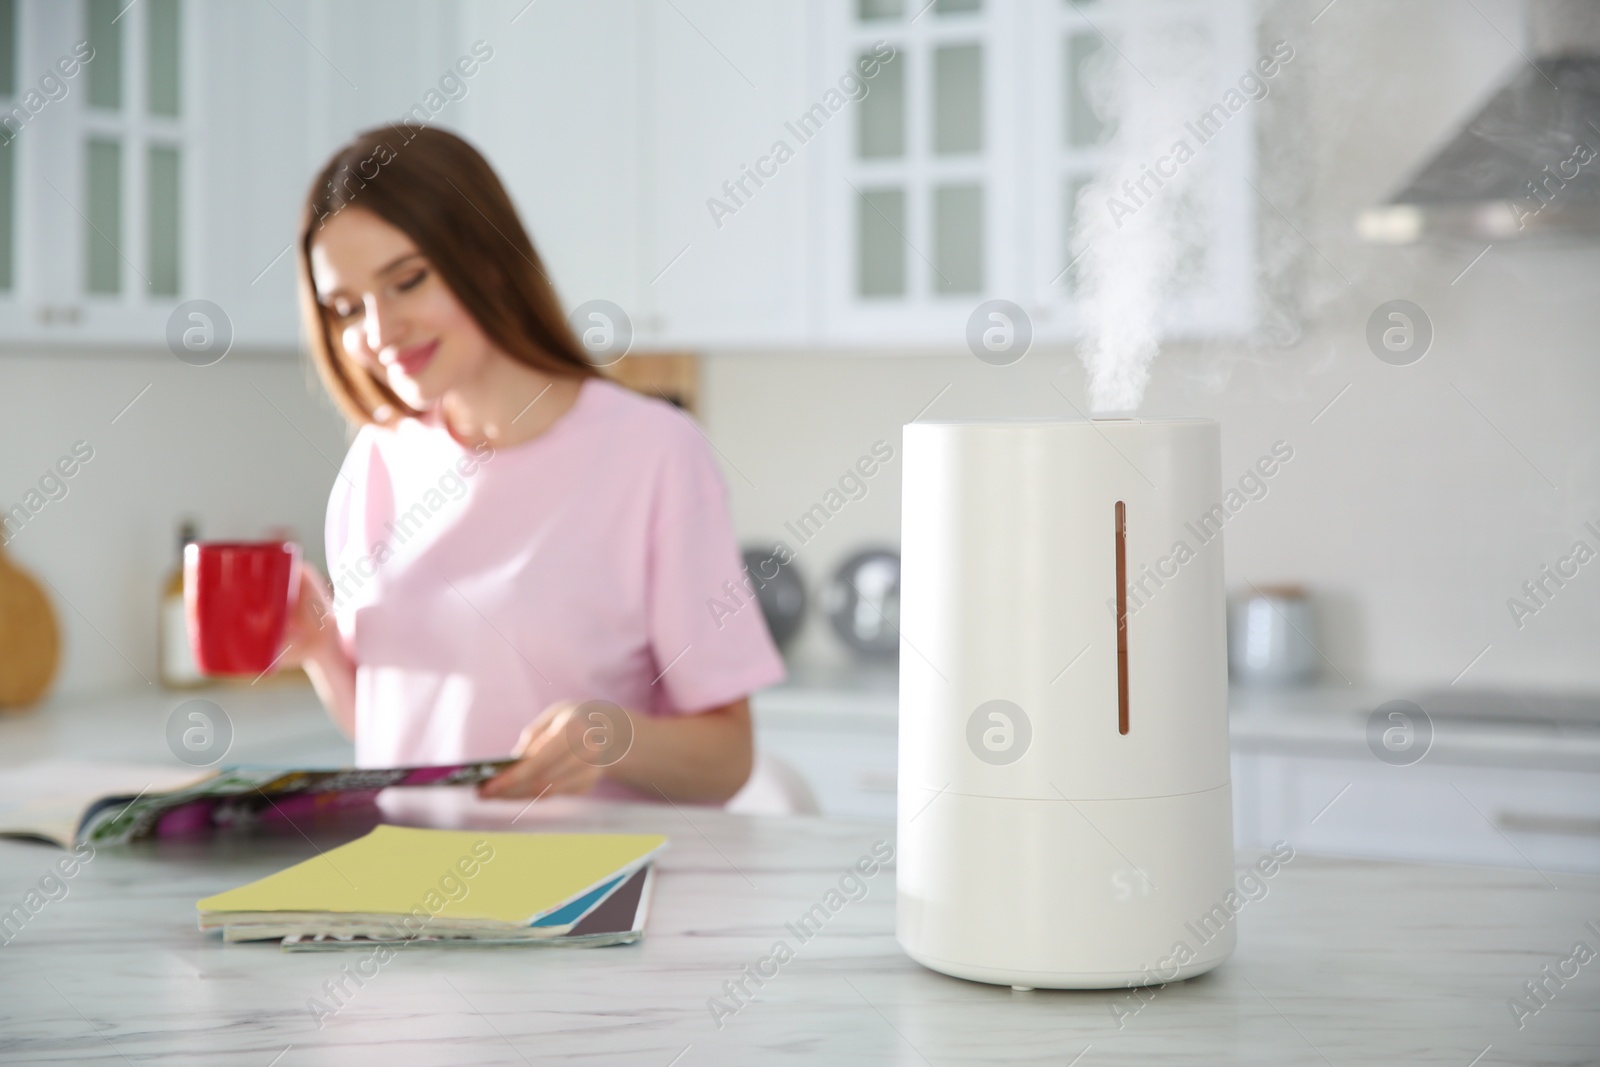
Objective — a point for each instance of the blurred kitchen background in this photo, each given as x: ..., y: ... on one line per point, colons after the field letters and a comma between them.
x: 807, y: 303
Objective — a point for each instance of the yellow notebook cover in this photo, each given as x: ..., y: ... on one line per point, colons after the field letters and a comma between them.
x: 457, y: 874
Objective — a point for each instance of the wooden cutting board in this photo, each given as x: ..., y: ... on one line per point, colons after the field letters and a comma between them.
x: 30, y: 643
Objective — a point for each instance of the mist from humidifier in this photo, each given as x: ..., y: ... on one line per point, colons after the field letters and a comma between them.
x: 1136, y: 222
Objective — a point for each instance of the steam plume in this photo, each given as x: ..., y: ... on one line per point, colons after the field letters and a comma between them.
x: 1132, y: 227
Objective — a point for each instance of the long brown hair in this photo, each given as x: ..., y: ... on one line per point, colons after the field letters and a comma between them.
x: 440, y: 192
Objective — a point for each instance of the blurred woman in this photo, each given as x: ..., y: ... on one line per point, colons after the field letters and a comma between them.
x: 526, y: 558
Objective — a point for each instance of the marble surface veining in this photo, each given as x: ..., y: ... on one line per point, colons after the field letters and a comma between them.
x: 1342, y: 962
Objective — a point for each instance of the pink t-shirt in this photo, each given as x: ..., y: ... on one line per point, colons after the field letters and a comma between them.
x: 474, y: 588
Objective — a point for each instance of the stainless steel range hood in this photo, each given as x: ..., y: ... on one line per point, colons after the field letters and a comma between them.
x: 1528, y: 163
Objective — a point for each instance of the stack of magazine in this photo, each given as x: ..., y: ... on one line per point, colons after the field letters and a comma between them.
x: 402, y: 885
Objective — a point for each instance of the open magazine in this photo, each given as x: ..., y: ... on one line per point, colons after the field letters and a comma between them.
x: 108, y: 804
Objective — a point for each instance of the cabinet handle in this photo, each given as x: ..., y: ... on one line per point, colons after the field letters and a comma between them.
x: 1532, y: 822
x: 876, y: 781
x: 51, y: 314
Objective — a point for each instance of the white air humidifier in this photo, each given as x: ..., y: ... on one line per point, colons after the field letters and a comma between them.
x: 1065, y: 810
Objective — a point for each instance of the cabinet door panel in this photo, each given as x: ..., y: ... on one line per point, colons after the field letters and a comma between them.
x: 556, y: 110
x: 917, y: 202
x: 283, y: 85
x: 723, y: 256
x: 1431, y: 812
x: 852, y: 773
x: 254, y: 165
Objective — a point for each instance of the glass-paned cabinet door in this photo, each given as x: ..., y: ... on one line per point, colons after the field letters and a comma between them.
x: 1087, y: 138
x: 916, y: 197
x: 102, y: 231
x: 95, y: 225
x: 132, y: 135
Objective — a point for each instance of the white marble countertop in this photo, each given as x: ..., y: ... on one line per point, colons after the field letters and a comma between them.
x: 1342, y: 962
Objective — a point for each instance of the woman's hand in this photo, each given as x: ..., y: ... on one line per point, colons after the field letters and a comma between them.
x: 311, y: 640
x: 310, y: 636
x: 700, y: 758
x: 548, y: 761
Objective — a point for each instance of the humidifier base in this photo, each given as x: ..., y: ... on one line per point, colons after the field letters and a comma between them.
x: 1066, y: 894
x: 1027, y: 981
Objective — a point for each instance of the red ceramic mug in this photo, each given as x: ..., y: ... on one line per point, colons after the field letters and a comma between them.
x: 238, y: 596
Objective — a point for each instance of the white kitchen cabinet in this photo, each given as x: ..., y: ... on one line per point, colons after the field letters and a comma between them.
x: 1214, y: 279
x: 255, y: 167
x: 850, y: 768
x: 1430, y: 811
x: 164, y: 171
x: 99, y: 130
x: 722, y: 171
x: 1502, y: 789
x: 918, y: 199
x: 942, y: 143
x: 615, y: 124
x: 956, y: 178
x: 723, y: 250
x: 174, y: 165
x: 284, y: 83
x: 838, y: 730
x: 558, y: 113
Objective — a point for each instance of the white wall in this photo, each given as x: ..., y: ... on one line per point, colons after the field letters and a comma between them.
x: 244, y: 445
